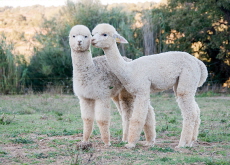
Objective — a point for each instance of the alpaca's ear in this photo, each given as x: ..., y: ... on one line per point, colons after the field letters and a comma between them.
x: 120, y: 39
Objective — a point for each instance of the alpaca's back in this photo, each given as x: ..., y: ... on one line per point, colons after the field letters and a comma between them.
x: 163, y: 70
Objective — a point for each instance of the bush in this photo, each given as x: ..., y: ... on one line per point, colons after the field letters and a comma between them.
x: 12, y: 69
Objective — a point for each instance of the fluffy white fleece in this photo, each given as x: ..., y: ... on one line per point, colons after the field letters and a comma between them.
x: 94, y: 83
x: 178, y: 70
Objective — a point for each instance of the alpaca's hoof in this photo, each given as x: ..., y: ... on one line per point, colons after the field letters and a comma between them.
x: 108, y: 145
x: 148, y: 144
x: 190, y: 144
x: 124, y: 140
x: 178, y: 146
x: 130, y: 145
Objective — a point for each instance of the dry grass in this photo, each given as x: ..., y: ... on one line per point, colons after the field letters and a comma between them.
x: 47, y: 129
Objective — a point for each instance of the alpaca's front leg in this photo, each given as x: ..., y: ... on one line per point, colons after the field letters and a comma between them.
x: 87, y: 115
x: 137, y: 120
x: 102, y: 114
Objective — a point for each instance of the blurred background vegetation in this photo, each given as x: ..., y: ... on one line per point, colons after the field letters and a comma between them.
x: 35, y: 53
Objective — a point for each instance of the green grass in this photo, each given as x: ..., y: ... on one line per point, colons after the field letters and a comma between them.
x: 167, y: 149
x: 44, y: 129
x: 22, y: 140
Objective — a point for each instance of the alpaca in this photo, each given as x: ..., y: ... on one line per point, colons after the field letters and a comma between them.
x: 178, y: 70
x: 95, y: 84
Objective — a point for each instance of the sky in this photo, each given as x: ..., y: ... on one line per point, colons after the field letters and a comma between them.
x: 16, y: 3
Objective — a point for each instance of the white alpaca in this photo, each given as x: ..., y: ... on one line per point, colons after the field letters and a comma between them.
x: 95, y: 84
x: 178, y: 70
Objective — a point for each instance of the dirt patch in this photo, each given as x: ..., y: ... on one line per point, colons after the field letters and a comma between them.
x: 62, y: 150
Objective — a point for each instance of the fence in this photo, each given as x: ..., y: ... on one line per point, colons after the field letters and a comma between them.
x: 65, y: 86
x: 38, y: 85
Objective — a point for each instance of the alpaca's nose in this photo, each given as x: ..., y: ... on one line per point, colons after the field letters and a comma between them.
x: 79, y: 42
x: 93, y: 39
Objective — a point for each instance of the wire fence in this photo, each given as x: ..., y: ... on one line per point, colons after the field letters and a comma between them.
x: 37, y: 85
x: 65, y: 86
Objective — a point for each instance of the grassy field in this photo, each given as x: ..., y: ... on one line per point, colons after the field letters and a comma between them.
x: 44, y: 129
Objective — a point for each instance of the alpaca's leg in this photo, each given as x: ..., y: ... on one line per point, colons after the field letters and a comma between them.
x: 126, y: 104
x: 87, y: 115
x: 126, y: 115
x: 117, y: 103
x: 137, y: 120
x: 190, y: 116
x: 149, y: 127
x: 102, y: 114
x: 197, y: 124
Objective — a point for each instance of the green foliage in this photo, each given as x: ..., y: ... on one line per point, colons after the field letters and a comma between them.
x: 206, y: 25
x: 119, y: 144
x: 199, y: 27
x: 22, y: 140
x: 12, y: 68
x: 220, y: 162
x: 159, y: 149
x: 2, y: 153
x: 63, y: 133
x: 165, y: 159
x: 51, y: 64
x: 208, y: 94
x: 5, y: 119
x: 40, y: 155
x: 90, y: 13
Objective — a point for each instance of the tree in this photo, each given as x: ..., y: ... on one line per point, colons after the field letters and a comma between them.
x: 51, y: 63
x: 92, y: 12
x: 202, y: 28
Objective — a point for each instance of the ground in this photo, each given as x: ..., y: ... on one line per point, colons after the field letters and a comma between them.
x: 46, y: 130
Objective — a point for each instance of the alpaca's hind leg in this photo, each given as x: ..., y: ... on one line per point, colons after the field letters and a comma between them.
x: 149, y: 127
x: 137, y: 120
x: 126, y: 115
x: 124, y: 107
x: 197, y: 124
x: 126, y: 104
x: 87, y: 115
x: 190, y: 115
x: 102, y: 114
x: 117, y: 103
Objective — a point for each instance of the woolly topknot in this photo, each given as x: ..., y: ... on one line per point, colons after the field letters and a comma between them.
x: 105, y: 28
x: 80, y: 30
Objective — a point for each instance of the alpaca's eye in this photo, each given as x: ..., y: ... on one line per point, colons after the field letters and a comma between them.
x: 73, y: 36
x: 104, y: 34
x: 86, y: 36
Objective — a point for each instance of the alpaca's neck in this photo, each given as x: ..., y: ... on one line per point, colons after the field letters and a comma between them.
x: 115, y: 60
x: 81, y: 60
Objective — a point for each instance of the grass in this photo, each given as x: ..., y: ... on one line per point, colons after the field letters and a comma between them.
x: 44, y: 129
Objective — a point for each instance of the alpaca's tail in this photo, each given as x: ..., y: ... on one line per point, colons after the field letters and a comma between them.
x: 204, y: 73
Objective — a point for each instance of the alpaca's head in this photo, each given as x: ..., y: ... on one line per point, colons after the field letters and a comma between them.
x: 105, y: 35
x: 80, y: 38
